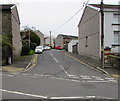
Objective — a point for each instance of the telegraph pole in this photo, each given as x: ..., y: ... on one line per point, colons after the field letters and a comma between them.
x: 29, y: 37
x: 102, y: 34
x: 50, y: 38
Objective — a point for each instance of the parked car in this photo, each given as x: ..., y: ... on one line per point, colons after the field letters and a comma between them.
x: 47, y: 48
x: 58, y: 47
x: 39, y: 49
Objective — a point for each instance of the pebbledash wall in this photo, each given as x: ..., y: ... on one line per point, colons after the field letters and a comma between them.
x: 11, y: 25
x: 89, y: 37
x: 89, y: 30
x: 17, y: 44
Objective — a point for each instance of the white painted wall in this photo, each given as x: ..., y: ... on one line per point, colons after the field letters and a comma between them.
x: 108, y: 29
x: 70, y: 45
x: 47, y: 41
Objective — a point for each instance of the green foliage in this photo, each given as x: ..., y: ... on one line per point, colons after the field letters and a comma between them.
x: 34, y: 39
x: 31, y: 52
x: 25, y: 48
x: 33, y: 45
x: 6, y: 40
x: 6, y: 43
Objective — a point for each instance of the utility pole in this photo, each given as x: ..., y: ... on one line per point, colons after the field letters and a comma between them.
x: 29, y: 37
x: 50, y: 38
x: 102, y: 34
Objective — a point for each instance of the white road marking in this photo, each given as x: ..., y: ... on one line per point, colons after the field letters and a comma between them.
x: 113, y: 80
x: 64, y: 71
x: 14, y: 73
x: 86, y: 78
x: 69, y: 79
x: 81, y: 97
x: 96, y: 77
x: 74, y: 76
x: 10, y: 75
x: 21, y: 93
x: 54, y: 58
x: 109, y: 78
x: 45, y: 97
x: 99, y: 79
x: 25, y: 74
x: 51, y: 54
x: 38, y: 75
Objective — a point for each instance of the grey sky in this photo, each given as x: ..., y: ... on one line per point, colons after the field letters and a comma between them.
x: 47, y: 15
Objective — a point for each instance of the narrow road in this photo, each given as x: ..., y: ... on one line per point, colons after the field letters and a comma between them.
x: 57, y: 76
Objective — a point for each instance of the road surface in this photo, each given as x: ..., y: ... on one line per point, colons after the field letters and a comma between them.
x: 57, y: 76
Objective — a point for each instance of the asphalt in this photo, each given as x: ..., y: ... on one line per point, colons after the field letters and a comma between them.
x: 26, y: 62
x: 111, y: 71
x: 58, y: 76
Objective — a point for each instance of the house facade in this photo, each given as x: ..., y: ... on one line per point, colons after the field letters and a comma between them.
x: 41, y: 35
x: 47, y: 41
x: 63, y: 40
x: 71, y: 44
x: 11, y: 26
x: 89, y: 29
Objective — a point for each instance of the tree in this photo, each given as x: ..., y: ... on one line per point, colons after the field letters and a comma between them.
x: 27, y: 33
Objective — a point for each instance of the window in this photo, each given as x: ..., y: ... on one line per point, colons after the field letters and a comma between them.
x: 86, y: 43
x: 116, y: 37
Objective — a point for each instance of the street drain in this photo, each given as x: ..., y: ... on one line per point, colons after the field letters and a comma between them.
x: 90, y: 86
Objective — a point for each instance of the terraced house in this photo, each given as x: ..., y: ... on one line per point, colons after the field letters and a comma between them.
x: 63, y: 40
x: 90, y: 30
x: 11, y: 31
x: 41, y: 35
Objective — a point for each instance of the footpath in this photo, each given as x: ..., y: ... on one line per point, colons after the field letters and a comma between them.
x: 110, y: 71
x: 22, y: 63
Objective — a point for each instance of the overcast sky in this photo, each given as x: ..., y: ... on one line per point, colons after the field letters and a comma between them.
x: 49, y: 15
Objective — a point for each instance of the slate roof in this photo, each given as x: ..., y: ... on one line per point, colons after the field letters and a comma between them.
x: 108, y: 6
x: 6, y: 6
x: 69, y: 36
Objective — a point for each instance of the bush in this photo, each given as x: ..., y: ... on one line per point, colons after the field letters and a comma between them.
x: 31, y: 52
x: 25, y: 48
x: 33, y: 45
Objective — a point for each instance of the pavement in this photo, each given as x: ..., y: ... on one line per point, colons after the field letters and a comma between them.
x: 27, y: 62
x: 22, y: 63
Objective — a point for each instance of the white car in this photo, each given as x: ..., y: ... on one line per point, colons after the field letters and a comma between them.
x: 47, y: 47
x: 39, y: 49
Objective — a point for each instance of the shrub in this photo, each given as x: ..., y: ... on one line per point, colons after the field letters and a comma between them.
x: 33, y: 45
x: 31, y: 52
x: 25, y: 48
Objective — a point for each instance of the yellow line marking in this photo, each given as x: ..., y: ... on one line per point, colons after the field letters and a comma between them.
x: 12, y: 69
x: 114, y: 75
